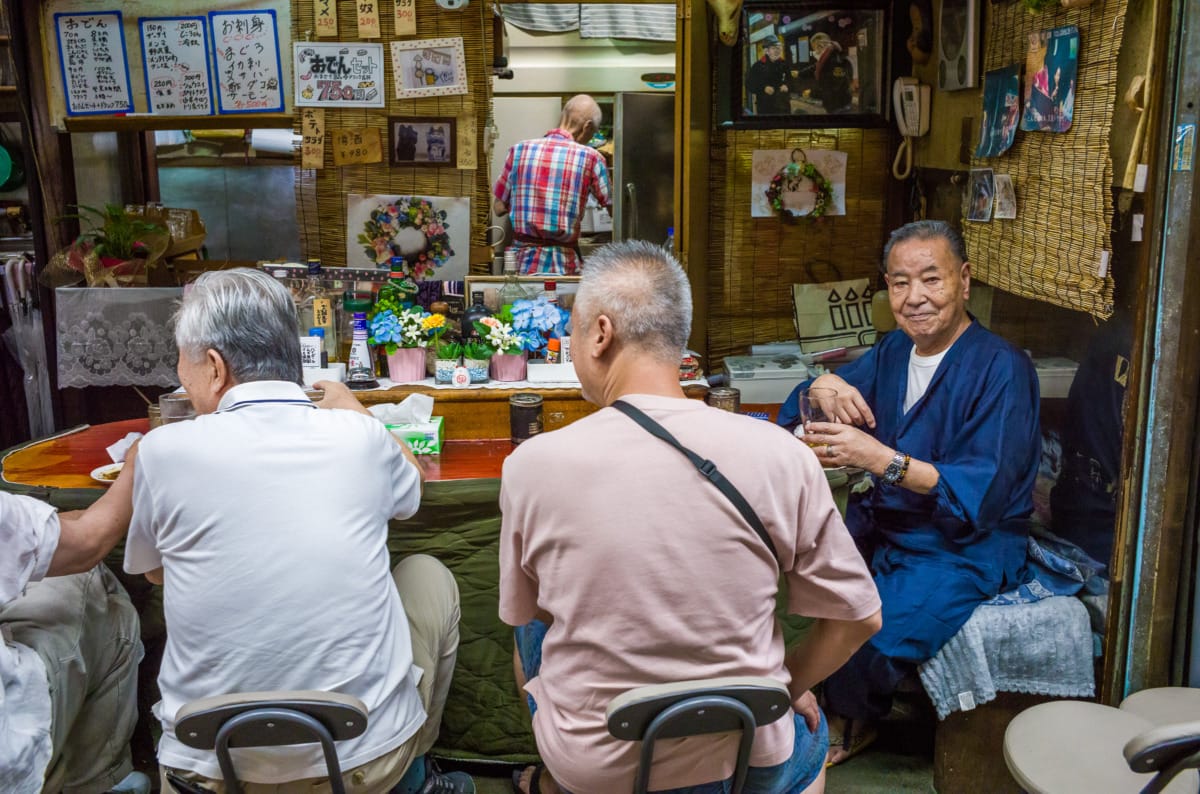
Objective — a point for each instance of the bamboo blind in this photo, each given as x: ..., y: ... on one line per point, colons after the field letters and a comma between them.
x: 753, y: 262
x: 321, y: 193
x: 1053, y: 250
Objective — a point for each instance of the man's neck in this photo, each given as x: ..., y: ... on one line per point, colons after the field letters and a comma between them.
x: 642, y: 376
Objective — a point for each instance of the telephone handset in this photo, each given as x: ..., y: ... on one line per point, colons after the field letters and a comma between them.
x: 910, y: 103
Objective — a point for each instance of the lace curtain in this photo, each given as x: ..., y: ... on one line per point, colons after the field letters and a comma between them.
x: 116, y: 336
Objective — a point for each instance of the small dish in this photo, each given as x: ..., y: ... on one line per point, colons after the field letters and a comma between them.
x: 107, y: 474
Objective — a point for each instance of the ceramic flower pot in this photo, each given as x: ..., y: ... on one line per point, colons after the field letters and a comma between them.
x: 443, y: 369
x: 478, y: 369
x: 508, y: 367
x: 406, y: 365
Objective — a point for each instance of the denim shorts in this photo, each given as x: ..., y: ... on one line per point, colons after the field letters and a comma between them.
x: 791, y: 777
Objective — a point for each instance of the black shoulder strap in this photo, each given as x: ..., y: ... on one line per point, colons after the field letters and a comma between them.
x: 705, y: 467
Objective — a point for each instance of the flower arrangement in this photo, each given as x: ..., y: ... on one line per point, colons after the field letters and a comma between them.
x: 412, y: 228
x: 789, y: 176
x: 434, y: 325
x: 535, y: 320
x: 117, y: 249
x: 500, y: 337
x: 395, y: 328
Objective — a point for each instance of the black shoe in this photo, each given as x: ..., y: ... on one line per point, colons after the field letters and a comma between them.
x: 438, y: 782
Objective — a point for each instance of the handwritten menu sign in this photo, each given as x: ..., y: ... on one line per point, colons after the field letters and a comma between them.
x: 368, y: 19
x: 468, y: 156
x: 356, y: 145
x: 246, y: 50
x: 333, y: 74
x: 325, y: 12
x: 406, y: 17
x: 312, y: 138
x: 175, y: 57
x: 95, y: 68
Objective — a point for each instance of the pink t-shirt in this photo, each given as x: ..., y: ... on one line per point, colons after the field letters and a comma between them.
x: 652, y: 576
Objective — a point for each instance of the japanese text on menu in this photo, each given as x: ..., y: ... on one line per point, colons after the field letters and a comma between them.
x: 95, y: 70
x: 338, y: 74
x: 175, y: 56
x: 246, y: 49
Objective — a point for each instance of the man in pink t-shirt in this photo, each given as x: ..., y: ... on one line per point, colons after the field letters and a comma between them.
x: 646, y: 573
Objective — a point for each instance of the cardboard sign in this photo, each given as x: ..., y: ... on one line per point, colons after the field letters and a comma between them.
x: 338, y: 74
x: 356, y: 145
x: 325, y: 12
x: 95, y: 68
x: 406, y: 17
x: 312, y: 138
x: 368, y: 19
x: 468, y: 155
x: 175, y: 56
x: 246, y: 50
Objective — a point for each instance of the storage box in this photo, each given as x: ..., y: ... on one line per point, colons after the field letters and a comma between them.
x: 541, y: 372
x: 766, y: 379
x: 422, y: 439
x: 1055, y: 376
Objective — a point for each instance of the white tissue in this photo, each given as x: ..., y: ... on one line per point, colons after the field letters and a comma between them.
x: 117, y: 451
x: 414, y: 410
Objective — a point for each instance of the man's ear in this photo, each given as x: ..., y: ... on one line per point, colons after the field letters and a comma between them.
x: 965, y: 275
x: 603, y: 335
x: 217, y: 371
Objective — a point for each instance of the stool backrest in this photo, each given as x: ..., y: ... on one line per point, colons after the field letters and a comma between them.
x: 198, y: 722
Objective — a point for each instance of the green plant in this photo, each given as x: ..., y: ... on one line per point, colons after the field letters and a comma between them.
x: 118, y: 234
x: 479, y: 351
x: 448, y: 349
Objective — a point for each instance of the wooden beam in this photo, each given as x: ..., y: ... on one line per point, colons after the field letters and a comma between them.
x: 141, y: 123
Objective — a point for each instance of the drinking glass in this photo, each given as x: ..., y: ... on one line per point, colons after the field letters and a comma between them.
x: 813, y: 404
x: 176, y: 407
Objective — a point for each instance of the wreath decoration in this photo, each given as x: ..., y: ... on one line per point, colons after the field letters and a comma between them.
x: 378, y: 237
x: 791, y: 173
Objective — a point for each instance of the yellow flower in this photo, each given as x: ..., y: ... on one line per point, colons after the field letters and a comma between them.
x: 433, y: 322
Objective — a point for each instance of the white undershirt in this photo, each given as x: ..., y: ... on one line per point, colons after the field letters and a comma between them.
x: 920, y: 373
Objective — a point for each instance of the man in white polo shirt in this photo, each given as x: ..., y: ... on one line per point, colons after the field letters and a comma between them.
x: 265, y: 519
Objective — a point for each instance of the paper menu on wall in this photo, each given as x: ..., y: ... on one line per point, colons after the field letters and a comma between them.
x: 246, y: 54
x: 175, y: 60
x: 94, y: 64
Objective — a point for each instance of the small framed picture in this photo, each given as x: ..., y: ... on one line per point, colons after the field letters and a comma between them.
x: 429, y: 67
x: 1005, y: 207
x: 421, y: 140
x: 981, y: 192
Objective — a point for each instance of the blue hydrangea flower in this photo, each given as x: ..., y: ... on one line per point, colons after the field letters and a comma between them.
x: 385, y: 328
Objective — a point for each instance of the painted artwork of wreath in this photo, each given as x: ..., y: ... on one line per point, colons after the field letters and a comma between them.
x: 412, y: 228
x: 789, y: 180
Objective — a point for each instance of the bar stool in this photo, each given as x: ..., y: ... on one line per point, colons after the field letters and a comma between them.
x: 271, y: 719
x: 1165, y: 705
x: 693, y: 708
x: 1070, y: 746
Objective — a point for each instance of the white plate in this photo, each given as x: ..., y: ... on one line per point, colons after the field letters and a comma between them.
x: 107, y: 474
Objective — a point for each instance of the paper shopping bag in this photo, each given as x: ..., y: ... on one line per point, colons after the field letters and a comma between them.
x: 833, y: 314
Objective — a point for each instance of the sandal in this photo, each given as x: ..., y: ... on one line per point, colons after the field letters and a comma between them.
x: 534, y: 787
x: 850, y: 742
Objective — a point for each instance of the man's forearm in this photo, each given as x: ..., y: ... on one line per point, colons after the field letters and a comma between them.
x: 826, y: 648
x: 85, y: 537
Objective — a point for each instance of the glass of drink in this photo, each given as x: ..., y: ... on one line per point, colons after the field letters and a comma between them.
x: 176, y: 407
x: 816, y: 405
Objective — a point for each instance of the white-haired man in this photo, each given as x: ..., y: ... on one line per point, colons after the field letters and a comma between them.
x: 646, y: 573
x: 266, y: 521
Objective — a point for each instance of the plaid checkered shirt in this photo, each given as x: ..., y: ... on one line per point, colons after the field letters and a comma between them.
x: 545, y: 184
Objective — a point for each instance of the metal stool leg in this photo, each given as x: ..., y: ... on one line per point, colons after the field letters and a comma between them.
x: 691, y: 708
x: 264, y: 717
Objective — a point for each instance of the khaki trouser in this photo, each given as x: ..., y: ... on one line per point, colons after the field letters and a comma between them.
x: 86, y: 632
x: 430, y: 597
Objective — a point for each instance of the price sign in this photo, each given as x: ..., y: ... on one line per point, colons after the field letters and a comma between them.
x: 175, y: 57
x: 325, y: 12
x: 312, y: 138
x: 406, y: 17
x: 356, y: 145
x: 246, y: 50
x: 95, y: 69
x: 368, y: 19
x: 468, y: 154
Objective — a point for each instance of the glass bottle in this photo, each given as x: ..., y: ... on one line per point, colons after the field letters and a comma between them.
x: 670, y: 243
x: 351, y: 303
x: 361, y: 366
x: 474, y: 313
x: 316, y: 308
x: 399, y: 287
x: 511, y: 290
x: 550, y: 292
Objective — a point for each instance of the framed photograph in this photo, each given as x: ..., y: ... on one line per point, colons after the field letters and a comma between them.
x: 565, y: 286
x: 810, y: 64
x: 429, y: 67
x: 981, y: 192
x: 421, y: 140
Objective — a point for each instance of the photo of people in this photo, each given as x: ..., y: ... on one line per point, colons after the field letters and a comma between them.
x: 1001, y: 111
x: 980, y: 192
x: 804, y: 63
x: 1050, y: 69
x: 1006, y: 198
x: 422, y: 140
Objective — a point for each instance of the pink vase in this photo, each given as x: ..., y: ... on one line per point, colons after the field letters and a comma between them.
x: 508, y: 366
x: 407, y: 365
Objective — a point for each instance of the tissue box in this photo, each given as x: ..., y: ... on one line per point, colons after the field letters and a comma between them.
x: 424, y: 438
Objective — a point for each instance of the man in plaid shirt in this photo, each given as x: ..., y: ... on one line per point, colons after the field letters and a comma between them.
x: 546, y: 183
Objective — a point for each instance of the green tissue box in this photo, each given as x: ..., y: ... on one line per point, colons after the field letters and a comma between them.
x: 424, y: 438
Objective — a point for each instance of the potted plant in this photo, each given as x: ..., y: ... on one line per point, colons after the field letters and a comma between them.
x: 477, y: 356
x: 401, y: 332
x: 117, y: 249
x: 536, y: 320
x: 507, y: 345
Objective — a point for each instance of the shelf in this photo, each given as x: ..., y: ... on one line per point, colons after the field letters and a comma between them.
x: 145, y: 121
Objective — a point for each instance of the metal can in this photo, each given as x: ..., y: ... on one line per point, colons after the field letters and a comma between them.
x: 726, y: 398
x: 524, y: 416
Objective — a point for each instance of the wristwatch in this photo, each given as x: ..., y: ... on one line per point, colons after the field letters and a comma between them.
x: 896, y: 469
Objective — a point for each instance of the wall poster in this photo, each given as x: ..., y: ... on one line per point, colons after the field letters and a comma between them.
x: 797, y: 192
x: 246, y: 50
x: 338, y: 74
x: 432, y: 233
x: 175, y: 62
x: 94, y: 63
x: 429, y: 67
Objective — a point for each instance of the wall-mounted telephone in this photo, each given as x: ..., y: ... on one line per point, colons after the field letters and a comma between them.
x: 910, y: 104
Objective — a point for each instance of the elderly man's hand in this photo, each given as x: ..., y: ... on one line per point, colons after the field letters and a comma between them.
x: 846, y: 445
x: 338, y: 395
x: 806, y: 706
x: 850, y: 406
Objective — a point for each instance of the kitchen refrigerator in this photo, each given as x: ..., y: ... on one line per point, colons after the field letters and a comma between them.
x: 643, y: 165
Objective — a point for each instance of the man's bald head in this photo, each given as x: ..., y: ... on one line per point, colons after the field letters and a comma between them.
x: 580, y: 117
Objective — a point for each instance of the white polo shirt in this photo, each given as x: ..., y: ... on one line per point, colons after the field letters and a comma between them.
x: 269, y: 518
